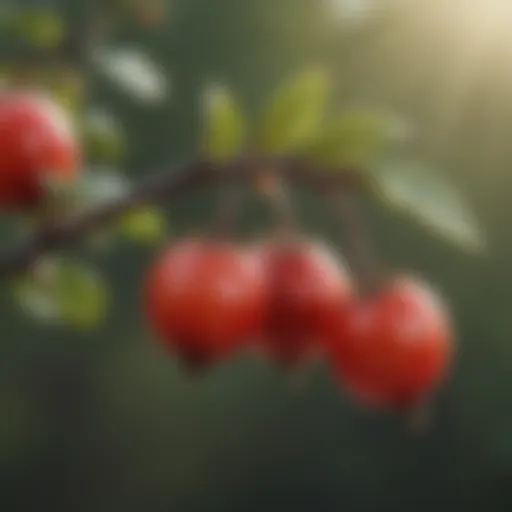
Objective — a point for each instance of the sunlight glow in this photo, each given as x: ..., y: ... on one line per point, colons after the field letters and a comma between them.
x: 478, y: 35
x: 351, y: 11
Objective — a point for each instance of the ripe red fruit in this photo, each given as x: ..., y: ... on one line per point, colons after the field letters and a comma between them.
x: 306, y: 286
x: 36, y: 141
x: 391, y: 349
x: 204, y: 298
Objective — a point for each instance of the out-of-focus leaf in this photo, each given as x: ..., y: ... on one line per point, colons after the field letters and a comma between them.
x: 41, y: 27
x: 224, y: 123
x: 104, y: 138
x: 146, y: 224
x: 35, y: 297
x: 63, y: 292
x: 295, y: 112
x: 430, y: 198
x: 357, y: 136
x: 81, y: 295
x: 134, y: 72
x: 98, y: 185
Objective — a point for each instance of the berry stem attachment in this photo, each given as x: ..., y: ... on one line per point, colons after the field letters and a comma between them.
x: 229, y: 201
x: 361, y: 252
x: 275, y: 190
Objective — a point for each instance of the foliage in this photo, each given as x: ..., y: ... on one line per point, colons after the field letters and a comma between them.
x: 295, y: 119
x: 61, y: 291
x: 224, y: 124
x: 293, y: 115
x: 133, y: 72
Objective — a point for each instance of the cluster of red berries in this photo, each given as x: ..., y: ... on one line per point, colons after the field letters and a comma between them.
x: 206, y: 299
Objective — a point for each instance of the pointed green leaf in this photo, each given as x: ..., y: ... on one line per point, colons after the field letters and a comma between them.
x: 357, y: 136
x: 146, y: 225
x: 224, y: 124
x: 295, y: 112
x: 134, y: 72
x: 431, y: 199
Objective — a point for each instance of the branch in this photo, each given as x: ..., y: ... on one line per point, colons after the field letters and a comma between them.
x: 169, y: 186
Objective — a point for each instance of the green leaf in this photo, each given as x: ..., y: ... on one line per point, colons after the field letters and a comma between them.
x: 81, y: 295
x: 357, y: 136
x: 145, y: 225
x: 104, y: 139
x: 224, y: 124
x: 41, y: 27
x: 134, y: 72
x: 35, y: 297
x: 430, y: 198
x: 62, y: 292
x: 295, y: 112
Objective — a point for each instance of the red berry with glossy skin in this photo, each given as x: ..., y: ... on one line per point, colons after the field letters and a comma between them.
x: 205, y: 298
x: 393, y: 348
x: 306, y: 286
x: 36, y: 141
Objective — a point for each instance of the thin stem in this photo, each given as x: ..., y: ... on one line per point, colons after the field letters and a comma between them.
x: 275, y: 190
x: 229, y: 202
x: 360, y: 251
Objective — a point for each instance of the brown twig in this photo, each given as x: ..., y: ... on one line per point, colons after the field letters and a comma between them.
x: 169, y: 186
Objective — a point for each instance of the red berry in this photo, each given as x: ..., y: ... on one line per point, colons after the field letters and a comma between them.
x: 205, y: 298
x: 36, y: 141
x: 306, y: 286
x: 393, y: 348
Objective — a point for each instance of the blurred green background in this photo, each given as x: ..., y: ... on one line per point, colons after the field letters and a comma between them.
x: 106, y: 421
